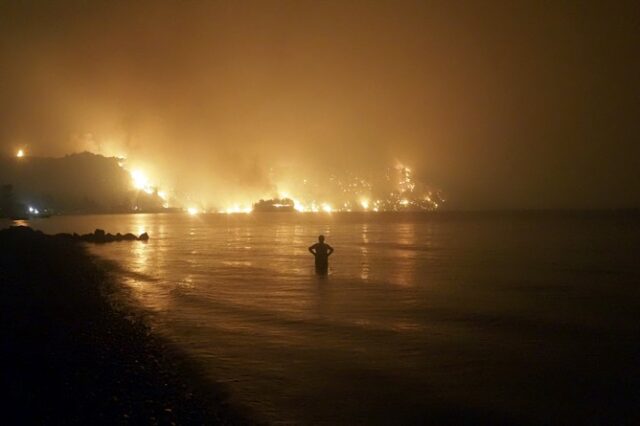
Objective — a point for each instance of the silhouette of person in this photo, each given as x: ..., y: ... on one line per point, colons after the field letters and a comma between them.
x: 321, y: 251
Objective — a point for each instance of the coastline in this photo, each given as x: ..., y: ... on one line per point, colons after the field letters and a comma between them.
x: 71, y: 356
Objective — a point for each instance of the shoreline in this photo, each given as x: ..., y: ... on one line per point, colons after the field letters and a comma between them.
x: 71, y: 356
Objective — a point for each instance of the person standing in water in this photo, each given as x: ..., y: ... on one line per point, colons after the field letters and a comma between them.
x: 321, y: 251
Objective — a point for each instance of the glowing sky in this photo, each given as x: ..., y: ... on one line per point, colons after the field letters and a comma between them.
x: 499, y: 104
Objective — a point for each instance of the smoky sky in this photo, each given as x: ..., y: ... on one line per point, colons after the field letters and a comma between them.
x: 498, y: 104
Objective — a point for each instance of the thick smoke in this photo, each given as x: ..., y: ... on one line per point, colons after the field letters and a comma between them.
x: 496, y: 105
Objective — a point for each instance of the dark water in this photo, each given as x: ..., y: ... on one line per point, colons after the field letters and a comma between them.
x: 526, y: 318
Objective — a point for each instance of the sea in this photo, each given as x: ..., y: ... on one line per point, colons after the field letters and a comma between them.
x: 478, y: 317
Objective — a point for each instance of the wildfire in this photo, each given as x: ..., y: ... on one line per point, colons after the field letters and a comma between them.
x: 395, y: 190
x: 326, y: 207
x: 298, y: 206
x: 237, y: 209
x: 398, y: 190
x: 406, y: 183
x: 141, y: 181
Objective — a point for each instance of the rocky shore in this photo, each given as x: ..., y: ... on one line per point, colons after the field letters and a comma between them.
x: 70, y: 357
x: 99, y: 236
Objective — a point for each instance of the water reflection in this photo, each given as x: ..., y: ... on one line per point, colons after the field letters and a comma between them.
x: 370, y: 341
x: 405, y: 255
x: 187, y: 282
x: 364, y: 251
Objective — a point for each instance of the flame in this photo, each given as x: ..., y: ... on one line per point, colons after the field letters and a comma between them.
x: 353, y: 192
x: 237, y: 209
x: 298, y: 206
x: 140, y: 180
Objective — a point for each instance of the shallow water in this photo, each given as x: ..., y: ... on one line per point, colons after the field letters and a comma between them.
x: 526, y: 317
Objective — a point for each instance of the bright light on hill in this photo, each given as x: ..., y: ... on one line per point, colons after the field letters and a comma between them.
x: 140, y: 180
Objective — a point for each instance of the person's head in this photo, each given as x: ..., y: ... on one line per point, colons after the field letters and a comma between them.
x: 321, y: 238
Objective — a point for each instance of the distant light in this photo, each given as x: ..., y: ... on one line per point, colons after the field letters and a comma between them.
x: 31, y: 209
x: 327, y: 208
x: 193, y: 211
x: 404, y: 202
x: 364, y: 204
x: 20, y: 153
x: 36, y: 211
x: 298, y: 206
x: 140, y: 180
x: 237, y: 209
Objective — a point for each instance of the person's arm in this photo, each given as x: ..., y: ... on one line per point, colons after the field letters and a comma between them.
x: 311, y: 249
x: 330, y: 251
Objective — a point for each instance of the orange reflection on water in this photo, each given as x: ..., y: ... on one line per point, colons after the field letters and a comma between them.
x: 364, y: 251
x: 405, y: 265
x: 146, y: 260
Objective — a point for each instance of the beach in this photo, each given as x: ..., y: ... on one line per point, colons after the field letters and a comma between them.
x: 70, y: 355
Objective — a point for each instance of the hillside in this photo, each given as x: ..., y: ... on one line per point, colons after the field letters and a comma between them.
x: 75, y: 183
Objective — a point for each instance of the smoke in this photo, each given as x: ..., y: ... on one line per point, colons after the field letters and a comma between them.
x: 215, y: 99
